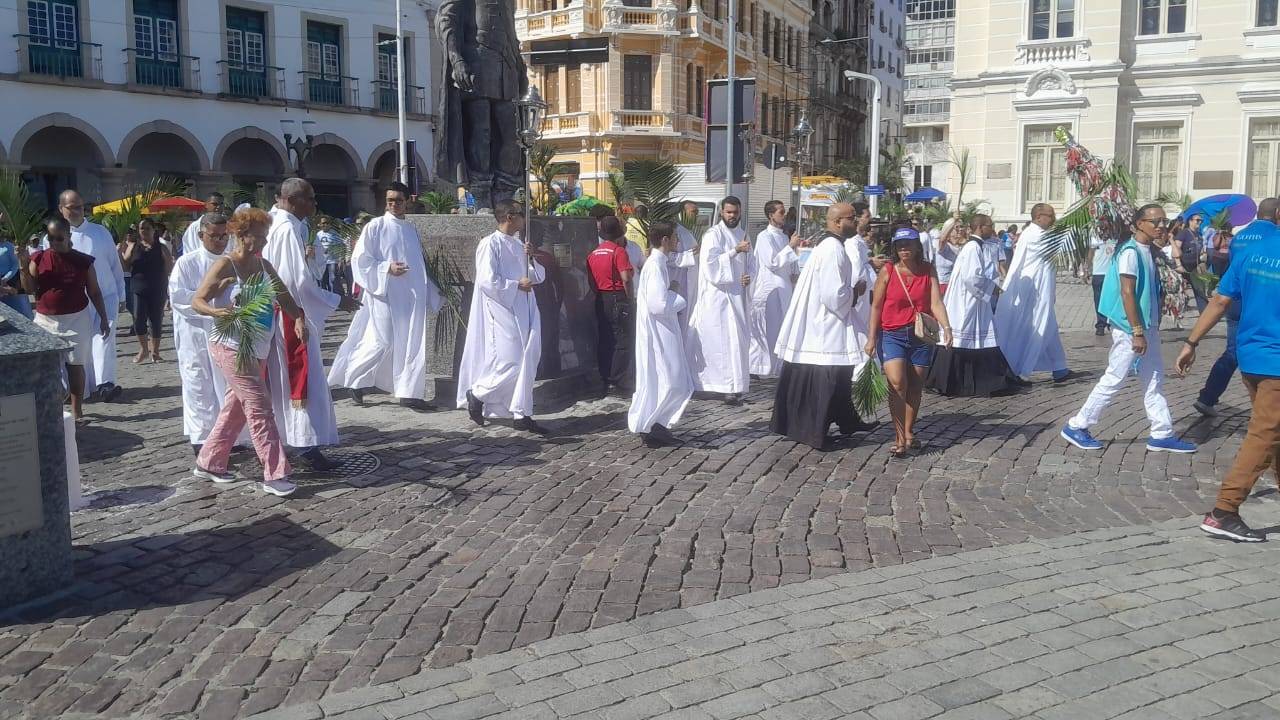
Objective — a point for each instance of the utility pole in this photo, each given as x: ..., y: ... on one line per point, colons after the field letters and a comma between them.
x: 732, y: 131
x: 400, y: 91
x: 875, y: 131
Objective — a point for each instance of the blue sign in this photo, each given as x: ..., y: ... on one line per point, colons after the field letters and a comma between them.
x: 873, y: 190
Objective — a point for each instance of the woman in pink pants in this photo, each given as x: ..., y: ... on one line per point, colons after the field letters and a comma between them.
x: 248, y: 399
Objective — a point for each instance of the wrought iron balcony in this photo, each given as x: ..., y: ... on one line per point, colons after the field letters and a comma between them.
x: 324, y: 89
x: 60, y: 59
x: 384, y: 98
x: 263, y: 82
x: 148, y: 68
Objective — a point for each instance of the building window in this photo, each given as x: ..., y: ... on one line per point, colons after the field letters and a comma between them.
x: 1052, y: 19
x: 246, y: 74
x: 931, y: 9
x: 931, y: 56
x: 637, y: 82
x: 1264, y: 157
x: 764, y: 41
x: 932, y: 82
x: 1158, y: 17
x: 324, y: 64
x: 928, y: 107
x: 1044, y: 168
x: 1267, y: 13
x: 551, y: 88
x: 924, y: 176
x: 764, y: 114
x: 1155, y: 159
x: 702, y: 91
x: 929, y: 36
x: 573, y: 89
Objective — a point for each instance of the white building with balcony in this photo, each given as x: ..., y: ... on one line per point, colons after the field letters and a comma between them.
x: 926, y: 112
x: 1185, y: 92
x: 887, y: 56
x: 102, y: 95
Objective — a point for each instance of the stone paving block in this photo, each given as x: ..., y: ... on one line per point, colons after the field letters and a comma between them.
x: 364, y: 697
x: 912, y: 707
x: 695, y: 692
x: 469, y: 709
x: 1234, y: 691
x: 862, y: 695
x: 814, y: 708
x: 738, y: 704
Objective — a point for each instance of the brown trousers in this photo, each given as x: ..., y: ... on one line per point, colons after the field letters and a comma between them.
x: 1261, y: 448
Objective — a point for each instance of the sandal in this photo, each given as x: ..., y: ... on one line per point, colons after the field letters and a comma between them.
x: 897, y: 451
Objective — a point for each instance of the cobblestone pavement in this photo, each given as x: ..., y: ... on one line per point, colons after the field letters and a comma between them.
x: 464, y: 543
x: 1139, y: 624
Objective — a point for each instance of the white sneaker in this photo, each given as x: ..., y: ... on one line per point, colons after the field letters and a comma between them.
x: 279, y: 488
x: 211, y: 475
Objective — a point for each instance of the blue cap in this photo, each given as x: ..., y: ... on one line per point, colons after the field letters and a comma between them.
x: 906, y: 234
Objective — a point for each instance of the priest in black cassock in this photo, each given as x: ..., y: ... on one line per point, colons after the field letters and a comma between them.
x: 820, y: 342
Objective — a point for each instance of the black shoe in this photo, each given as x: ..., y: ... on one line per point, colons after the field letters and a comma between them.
x: 662, y: 432
x: 1100, y: 331
x: 1016, y: 381
x: 652, y: 441
x: 416, y: 405
x: 1069, y: 375
x: 317, y: 460
x: 860, y: 426
x: 112, y: 393
x: 733, y: 400
x: 196, y: 449
x: 475, y: 409
x: 604, y: 391
x: 1230, y: 526
x: 528, y: 425
x: 357, y: 397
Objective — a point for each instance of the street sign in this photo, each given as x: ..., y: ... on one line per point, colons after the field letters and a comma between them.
x: 875, y: 190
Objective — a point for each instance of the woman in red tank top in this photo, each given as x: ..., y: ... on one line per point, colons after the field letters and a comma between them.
x: 904, y: 289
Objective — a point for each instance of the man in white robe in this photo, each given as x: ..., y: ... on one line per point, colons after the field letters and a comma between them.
x: 203, y: 385
x: 663, y: 382
x: 215, y: 204
x: 683, y: 263
x: 777, y: 264
x: 719, y: 339
x: 820, y: 342
x: 386, y: 345
x: 91, y: 238
x: 504, y: 343
x: 1026, y: 323
x: 295, y: 370
x: 865, y: 269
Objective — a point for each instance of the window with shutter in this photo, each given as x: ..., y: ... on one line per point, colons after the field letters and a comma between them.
x: 637, y: 80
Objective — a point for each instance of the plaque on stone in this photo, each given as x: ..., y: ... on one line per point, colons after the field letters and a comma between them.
x: 21, y: 508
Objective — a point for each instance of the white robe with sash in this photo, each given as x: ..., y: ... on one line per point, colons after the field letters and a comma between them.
x: 504, y: 330
x: 386, y: 345
x: 820, y: 327
x: 776, y: 263
x: 719, y: 340
x: 203, y: 385
x: 968, y: 298
x: 314, y: 424
x: 663, y: 382
x: 1026, y: 323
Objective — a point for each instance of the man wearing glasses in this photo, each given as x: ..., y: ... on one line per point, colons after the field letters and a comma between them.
x: 1131, y: 303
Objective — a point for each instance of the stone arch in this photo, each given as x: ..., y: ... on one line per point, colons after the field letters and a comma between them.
x: 162, y: 127
x: 375, y: 159
x: 347, y: 148
x: 250, y: 133
x: 62, y: 120
x: 1050, y: 79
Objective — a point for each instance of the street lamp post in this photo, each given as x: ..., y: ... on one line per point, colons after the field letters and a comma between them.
x: 875, y: 131
x: 533, y: 109
x: 299, y: 146
x: 802, y: 135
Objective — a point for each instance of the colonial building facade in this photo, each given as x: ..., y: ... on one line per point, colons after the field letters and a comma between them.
x: 104, y: 95
x: 931, y: 47
x: 1185, y: 92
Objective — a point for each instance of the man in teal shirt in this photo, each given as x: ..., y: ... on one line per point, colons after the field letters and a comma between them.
x: 1251, y: 283
x: 1131, y: 303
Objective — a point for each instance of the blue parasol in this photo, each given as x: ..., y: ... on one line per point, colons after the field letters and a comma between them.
x: 926, y: 194
x: 1241, y: 209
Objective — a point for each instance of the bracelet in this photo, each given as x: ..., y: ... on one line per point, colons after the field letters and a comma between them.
x: 1139, y: 333
x: 1193, y: 345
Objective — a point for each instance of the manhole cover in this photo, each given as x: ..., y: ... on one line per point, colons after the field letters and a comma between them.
x: 352, y: 464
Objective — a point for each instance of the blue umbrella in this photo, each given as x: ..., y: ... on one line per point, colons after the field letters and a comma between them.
x: 1241, y: 209
x: 926, y: 194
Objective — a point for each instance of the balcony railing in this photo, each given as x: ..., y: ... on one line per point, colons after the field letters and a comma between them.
x: 549, y: 23
x: 322, y: 89
x: 252, y: 82
x: 577, y: 123
x: 163, y: 70
x: 641, y: 121
x: 59, y: 59
x: 690, y: 126
x: 1046, y: 52
x: 384, y: 98
x: 923, y: 118
x: 625, y: 18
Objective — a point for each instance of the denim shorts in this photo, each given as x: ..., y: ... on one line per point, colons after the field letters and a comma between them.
x: 900, y: 345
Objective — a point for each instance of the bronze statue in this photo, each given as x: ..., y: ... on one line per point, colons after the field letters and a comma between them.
x: 484, y: 75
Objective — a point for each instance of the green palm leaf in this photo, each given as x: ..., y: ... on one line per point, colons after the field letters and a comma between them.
x: 243, y: 324
x: 443, y: 270
x: 1070, y: 234
x: 136, y: 202
x: 652, y: 183
x: 870, y: 389
x: 22, y: 218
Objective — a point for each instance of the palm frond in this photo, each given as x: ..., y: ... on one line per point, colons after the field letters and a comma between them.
x: 244, y: 324
x: 1221, y: 221
x: 135, y: 203
x: 449, y: 278
x: 1177, y: 198
x: 1207, y: 281
x: 870, y: 389
x: 439, y: 203
x: 21, y: 217
x: 1070, y: 234
x: 965, y: 170
x: 618, y: 188
x: 652, y: 183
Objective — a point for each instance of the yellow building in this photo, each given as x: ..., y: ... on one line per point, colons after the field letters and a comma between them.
x: 647, y: 101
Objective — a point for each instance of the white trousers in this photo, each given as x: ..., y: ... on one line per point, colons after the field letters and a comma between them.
x: 1150, y: 371
x: 100, y: 368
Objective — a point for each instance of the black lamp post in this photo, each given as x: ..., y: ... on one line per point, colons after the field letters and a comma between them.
x: 298, y: 146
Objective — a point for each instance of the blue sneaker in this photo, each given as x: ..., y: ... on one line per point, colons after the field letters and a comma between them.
x: 1080, y: 438
x: 1170, y: 444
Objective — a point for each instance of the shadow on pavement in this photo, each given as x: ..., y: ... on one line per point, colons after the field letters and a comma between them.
x: 97, y: 442
x: 217, y: 564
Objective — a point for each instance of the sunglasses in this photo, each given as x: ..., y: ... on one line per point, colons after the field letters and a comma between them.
x: 1162, y: 222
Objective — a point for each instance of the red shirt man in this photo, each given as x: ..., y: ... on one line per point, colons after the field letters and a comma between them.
x: 609, y: 266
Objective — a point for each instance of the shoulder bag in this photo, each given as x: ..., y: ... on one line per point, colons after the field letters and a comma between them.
x: 926, y: 328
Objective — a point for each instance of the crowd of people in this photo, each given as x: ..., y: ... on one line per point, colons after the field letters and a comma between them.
x: 962, y: 310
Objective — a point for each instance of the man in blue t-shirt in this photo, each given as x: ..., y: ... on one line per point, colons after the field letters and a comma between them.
x: 1252, y: 283
x: 1264, y: 228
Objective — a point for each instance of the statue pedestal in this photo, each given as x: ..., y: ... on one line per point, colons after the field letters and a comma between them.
x: 566, y: 303
x: 35, y: 524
